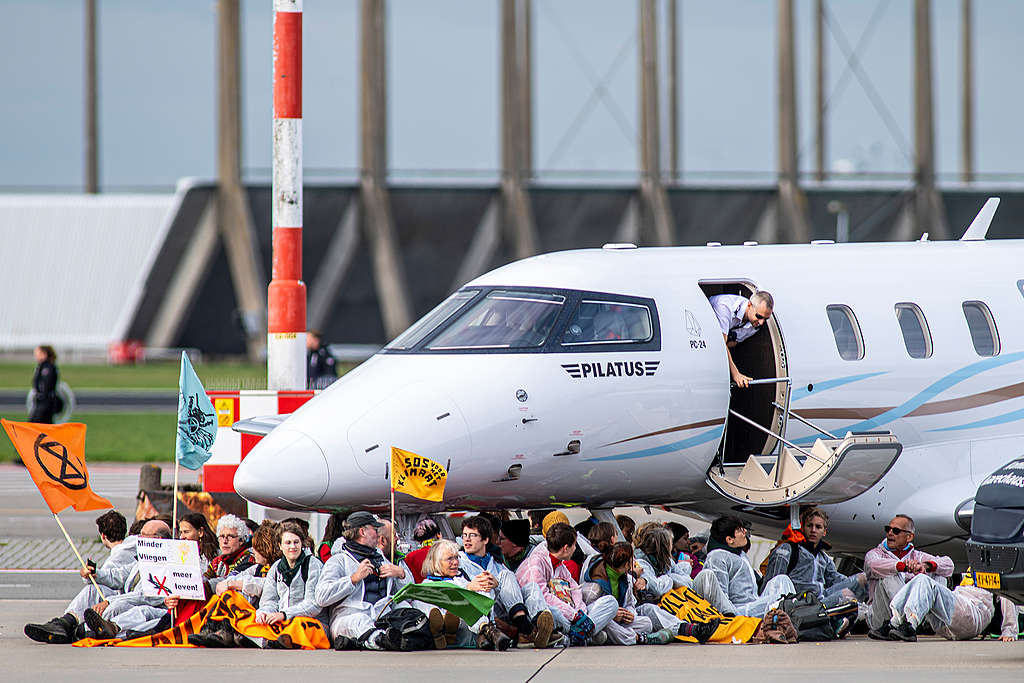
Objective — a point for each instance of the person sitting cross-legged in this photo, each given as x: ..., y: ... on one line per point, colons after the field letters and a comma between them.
x: 728, y: 581
x: 357, y: 583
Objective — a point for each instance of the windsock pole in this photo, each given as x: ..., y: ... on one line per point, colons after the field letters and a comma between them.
x: 286, y: 296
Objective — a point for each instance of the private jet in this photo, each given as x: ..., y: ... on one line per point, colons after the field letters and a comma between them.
x: 889, y: 379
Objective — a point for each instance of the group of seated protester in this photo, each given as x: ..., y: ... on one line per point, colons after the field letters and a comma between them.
x: 552, y: 585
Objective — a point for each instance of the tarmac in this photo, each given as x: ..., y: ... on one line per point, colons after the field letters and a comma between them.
x: 34, y: 588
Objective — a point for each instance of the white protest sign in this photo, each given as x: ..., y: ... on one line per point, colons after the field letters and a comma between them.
x: 169, y: 567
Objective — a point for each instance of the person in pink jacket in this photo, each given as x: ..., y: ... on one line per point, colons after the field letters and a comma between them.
x: 891, y: 564
x: 544, y: 569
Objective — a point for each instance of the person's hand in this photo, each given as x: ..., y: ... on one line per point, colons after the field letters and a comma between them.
x: 171, y: 601
x: 640, y: 584
x: 224, y: 586
x: 624, y: 616
x: 1007, y: 639
x: 742, y: 381
x: 388, y: 571
x: 86, y: 572
x: 488, y: 579
x: 274, y: 617
x: 364, y: 569
x: 862, y: 579
x: 100, y: 606
x: 260, y: 618
x: 479, y: 584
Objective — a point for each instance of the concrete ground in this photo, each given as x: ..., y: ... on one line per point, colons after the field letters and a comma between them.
x: 855, y: 659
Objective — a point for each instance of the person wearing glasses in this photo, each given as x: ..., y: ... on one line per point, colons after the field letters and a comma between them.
x: 728, y: 580
x: 891, y: 564
x: 740, y: 318
x: 523, y: 608
x: 236, y: 556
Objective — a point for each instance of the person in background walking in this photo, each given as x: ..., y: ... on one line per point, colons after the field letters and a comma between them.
x: 320, y: 364
x: 44, y: 384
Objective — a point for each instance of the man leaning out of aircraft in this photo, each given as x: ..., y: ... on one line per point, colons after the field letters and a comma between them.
x: 728, y: 581
x: 895, y: 561
x: 801, y: 556
x: 739, y: 318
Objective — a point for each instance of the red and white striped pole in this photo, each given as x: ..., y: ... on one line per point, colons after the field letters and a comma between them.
x: 286, y: 296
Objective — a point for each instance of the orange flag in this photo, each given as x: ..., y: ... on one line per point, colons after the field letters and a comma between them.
x: 55, y: 457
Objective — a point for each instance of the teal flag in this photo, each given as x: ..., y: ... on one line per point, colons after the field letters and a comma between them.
x: 468, y: 604
x: 197, y: 420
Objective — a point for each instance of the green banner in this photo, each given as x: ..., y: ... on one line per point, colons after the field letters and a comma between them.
x: 469, y: 605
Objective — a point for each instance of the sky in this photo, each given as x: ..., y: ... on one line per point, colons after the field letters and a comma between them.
x: 158, y: 99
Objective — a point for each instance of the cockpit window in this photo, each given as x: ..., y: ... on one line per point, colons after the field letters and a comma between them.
x: 504, y: 319
x: 603, y: 322
x: 428, y: 323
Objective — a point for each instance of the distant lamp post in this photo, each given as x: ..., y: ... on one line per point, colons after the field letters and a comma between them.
x: 842, y: 220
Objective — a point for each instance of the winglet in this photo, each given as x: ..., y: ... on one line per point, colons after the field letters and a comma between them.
x: 258, y: 426
x: 979, y: 226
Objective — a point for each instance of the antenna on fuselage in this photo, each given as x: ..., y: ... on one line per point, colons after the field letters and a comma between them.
x: 979, y: 226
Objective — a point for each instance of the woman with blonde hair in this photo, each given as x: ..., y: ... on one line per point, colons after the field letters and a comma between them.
x: 442, y: 564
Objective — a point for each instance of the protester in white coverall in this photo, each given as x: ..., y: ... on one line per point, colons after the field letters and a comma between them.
x: 357, y: 583
x: 728, y: 581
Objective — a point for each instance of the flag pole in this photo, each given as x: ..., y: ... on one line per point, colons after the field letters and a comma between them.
x: 392, y: 525
x: 79, y: 556
x: 174, y: 506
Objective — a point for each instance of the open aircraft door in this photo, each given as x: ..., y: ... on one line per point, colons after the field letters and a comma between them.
x: 757, y: 465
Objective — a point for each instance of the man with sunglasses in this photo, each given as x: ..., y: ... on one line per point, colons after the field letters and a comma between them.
x: 891, y: 564
x: 740, y: 318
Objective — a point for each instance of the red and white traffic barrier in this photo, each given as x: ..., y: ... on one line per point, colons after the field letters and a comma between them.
x: 286, y: 296
x: 230, y: 447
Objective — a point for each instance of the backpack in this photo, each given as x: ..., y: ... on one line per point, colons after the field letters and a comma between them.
x: 407, y: 629
x: 776, y: 627
x: 810, y: 617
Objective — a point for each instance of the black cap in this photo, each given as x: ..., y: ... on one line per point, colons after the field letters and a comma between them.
x: 361, y: 519
x: 517, y: 531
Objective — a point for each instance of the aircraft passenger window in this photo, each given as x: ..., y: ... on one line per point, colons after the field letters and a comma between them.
x: 602, y: 322
x: 983, y: 328
x: 428, y: 323
x: 502, y: 320
x: 1020, y: 286
x: 846, y: 330
x: 916, y: 336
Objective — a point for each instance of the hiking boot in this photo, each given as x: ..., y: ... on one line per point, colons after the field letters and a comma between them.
x: 904, y: 632
x: 103, y: 628
x: 435, y: 620
x: 881, y: 633
x: 542, y: 630
x: 496, y: 640
x: 451, y: 628
x: 660, y: 637
x: 57, y: 631
x: 703, y: 631
x: 340, y: 643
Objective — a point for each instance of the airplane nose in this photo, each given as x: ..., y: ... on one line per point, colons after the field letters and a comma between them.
x: 286, y: 469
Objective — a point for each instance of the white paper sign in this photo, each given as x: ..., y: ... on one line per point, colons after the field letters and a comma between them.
x: 169, y: 567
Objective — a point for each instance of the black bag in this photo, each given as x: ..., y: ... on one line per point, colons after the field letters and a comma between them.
x: 810, y: 617
x: 406, y: 629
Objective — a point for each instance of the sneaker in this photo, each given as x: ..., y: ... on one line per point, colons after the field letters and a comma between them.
x: 599, y: 638
x: 436, y: 622
x: 542, y: 630
x: 843, y: 627
x: 703, y: 631
x: 660, y: 637
x: 104, y: 628
x: 881, y: 633
x: 904, y: 632
x: 57, y: 631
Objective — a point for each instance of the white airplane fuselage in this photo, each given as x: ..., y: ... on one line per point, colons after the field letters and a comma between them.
x: 648, y: 417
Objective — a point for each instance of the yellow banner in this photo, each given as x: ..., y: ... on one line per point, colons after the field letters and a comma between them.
x: 305, y: 633
x: 418, y: 476
x: 689, y: 606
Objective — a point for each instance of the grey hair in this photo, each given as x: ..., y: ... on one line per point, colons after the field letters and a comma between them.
x: 909, y: 519
x: 432, y: 562
x: 763, y: 296
x: 234, y: 523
